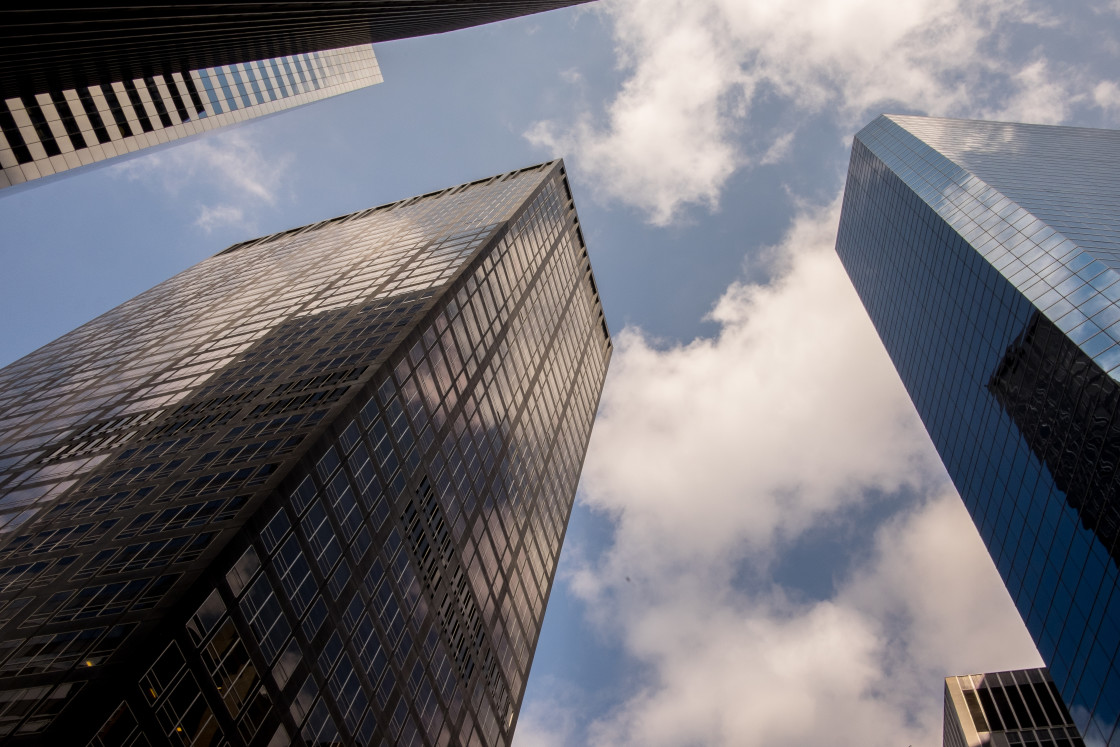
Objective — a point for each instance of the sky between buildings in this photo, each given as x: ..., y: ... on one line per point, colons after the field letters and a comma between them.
x: 765, y: 549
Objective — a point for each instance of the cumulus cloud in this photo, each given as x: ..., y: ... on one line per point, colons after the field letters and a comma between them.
x: 1043, y: 96
x: 744, y: 669
x: 696, y: 70
x: 1107, y: 95
x: 711, y: 457
x: 791, y: 411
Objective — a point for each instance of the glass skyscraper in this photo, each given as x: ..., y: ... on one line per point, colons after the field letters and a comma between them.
x: 988, y: 257
x: 1001, y: 709
x: 310, y: 491
x: 80, y: 82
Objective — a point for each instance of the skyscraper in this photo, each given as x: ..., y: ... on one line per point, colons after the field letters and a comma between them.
x: 80, y: 83
x: 988, y: 257
x: 309, y: 491
x: 69, y: 44
x: 1005, y: 708
x: 61, y: 129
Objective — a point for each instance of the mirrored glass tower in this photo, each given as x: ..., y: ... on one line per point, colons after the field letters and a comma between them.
x: 310, y: 491
x: 988, y: 257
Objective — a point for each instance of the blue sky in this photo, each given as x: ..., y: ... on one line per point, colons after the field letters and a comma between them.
x: 764, y: 549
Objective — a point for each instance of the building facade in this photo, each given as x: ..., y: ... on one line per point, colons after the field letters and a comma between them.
x: 310, y: 491
x: 1007, y: 708
x: 68, y: 44
x: 988, y: 258
x: 61, y: 129
x: 82, y: 83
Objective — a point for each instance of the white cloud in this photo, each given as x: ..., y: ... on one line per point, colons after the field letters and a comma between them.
x: 210, y: 218
x: 778, y: 150
x: 551, y: 722
x: 1042, y: 95
x: 933, y: 574
x: 1106, y: 95
x: 669, y: 122
x: 712, y: 457
x: 791, y: 412
x: 229, y: 165
x: 696, y: 70
x: 863, y: 668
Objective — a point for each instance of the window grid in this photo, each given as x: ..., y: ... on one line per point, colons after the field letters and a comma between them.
x: 393, y: 579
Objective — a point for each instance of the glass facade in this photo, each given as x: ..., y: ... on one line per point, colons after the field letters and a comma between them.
x: 52, y: 132
x: 1007, y: 708
x: 309, y: 491
x: 983, y: 260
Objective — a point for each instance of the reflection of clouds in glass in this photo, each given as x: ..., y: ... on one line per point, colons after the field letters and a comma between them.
x: 958, y: 138
x: 1081, y: 716
x: 154, y: 351
x: 18, y: 506
x: 997, y: 185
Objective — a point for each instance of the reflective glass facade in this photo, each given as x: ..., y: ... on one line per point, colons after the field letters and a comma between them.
x: 1007, y: 708
x: 309, y: 491
x: 983, y: 254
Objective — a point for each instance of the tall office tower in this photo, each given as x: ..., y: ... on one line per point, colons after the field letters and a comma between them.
x: 81, y: 83
x: 1006, y: 708
x: 61, y: 129
x: 310, y: 491
x: 988, y: 258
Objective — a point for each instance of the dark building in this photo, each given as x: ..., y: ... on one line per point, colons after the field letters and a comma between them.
x: 987, y: 255
x: 1007, y: 708
x: 310, y: 491
x: 83, y: 82
x: 53, y: 132
x: 67, y: 45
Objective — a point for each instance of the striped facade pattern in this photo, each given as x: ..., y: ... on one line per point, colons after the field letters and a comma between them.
x: 53, y: 132
x: 67, y: 44
x: 1007, y: 708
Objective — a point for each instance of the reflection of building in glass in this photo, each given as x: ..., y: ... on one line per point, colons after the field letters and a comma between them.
x: 80, y: 83
x: 988, y: 257
x: 309, y: 491
x: 1006, y: 708
x: 1063, y: 404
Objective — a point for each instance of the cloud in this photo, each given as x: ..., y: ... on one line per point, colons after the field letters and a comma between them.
x: 714, y: 457
x: 696, y: 71
x: 756, y: 669
x: 1107, y: 95
x: 230, y: 170
x: 1042, y: 96
x: 792, y: 411
x: 554, y: 722
x: 210, y: 218
x: 933, y: 575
